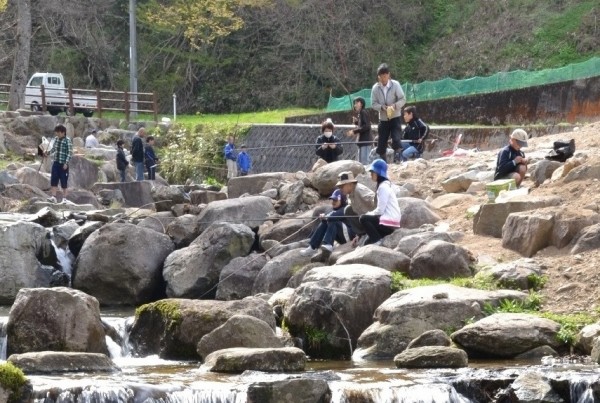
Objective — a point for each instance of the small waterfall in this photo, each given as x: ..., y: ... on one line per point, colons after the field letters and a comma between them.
x: 3, y: 343
x: 65, y: 258
x: 582, y: 390
x: 117, y: 335
x: 205, y: 393
x: 385, y: 392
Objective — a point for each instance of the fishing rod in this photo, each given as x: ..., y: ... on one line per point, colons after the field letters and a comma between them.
x: 311, y: 145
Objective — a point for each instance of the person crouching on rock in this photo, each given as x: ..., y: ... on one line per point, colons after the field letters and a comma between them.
x: 328, y: 147
x: 385, y: 218
x: 329, y: 229
x: 511, y: 163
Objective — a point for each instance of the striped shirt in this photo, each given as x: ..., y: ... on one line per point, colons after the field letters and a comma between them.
x: 62, y: 150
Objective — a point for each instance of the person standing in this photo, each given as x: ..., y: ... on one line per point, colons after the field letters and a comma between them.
x: 511, y: 163
x: 231, y: 158
x: 150, y: 158
x: 62, y: 150
x: 244, y: 162
x: 416, y: 131
x: 328, y: 147
x: 385, y: 218
x: 387, y: 98
x: 362, y: 130
x: 137, y: 153
x: 122, y: 162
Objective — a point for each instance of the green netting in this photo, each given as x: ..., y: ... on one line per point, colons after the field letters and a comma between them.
x: 449, y: 87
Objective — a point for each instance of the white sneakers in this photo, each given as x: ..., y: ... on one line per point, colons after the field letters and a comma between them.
x: 51, y: 199
x: 328, y: 248
x: 309, y: 251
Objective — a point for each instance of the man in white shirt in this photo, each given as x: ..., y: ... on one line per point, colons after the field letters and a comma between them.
x: 91, y: 141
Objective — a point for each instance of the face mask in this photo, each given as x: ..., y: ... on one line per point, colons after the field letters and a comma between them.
x: 327, y: 134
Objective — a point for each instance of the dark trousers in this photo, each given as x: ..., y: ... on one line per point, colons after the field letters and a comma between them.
x: 375, y: 231
x: 389, y: 129
x: 151, y: 173
x: 352, y: 221
x: 328, y: 230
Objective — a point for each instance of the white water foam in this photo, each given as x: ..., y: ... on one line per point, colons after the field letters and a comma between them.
x: 65, y: 258
x: 343, y: 392
x: 3, y: 338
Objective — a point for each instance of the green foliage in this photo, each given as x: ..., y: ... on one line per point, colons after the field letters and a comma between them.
x: 571, y: 324
x: 196, y: 152
x: 170, y: 311
x: 401, y: 282
x: 536, y: 282
x: 316, y: 337
x: 12, y: 379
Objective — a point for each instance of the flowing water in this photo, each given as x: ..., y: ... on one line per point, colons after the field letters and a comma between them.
x: 154, y: 380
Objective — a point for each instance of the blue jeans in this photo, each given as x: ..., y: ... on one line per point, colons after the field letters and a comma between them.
x: 139, y: 170
x: 363, y: 154
x: 122, y: 172
x: 409, y: 151
x: 328, y: 231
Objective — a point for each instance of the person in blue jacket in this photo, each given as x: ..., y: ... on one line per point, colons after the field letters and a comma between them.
x: 244, y: 163
x: 231, y: 158
x: 511, y: 163
x: 150, y: 159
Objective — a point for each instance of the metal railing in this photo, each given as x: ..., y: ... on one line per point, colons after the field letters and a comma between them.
x: 74, y: 100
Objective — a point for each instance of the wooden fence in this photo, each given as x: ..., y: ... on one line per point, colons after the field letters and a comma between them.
x: 70, y: 101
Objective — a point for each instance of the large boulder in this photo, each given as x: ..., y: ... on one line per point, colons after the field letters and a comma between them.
x: 158, y: 222
x: 542, y: 170
x: 121, y: 264
x: 527, y: 232
x: 251, y: 211
x: 408, y: 314
x: 53, y: 362
x: 532, y: 387
x: 183, y: 230
x: 194, y: 271
x: 292, y: 389
x: 519, y: 274
x: 490, y: 217
x: 584, y: 341
x: 237, y: 277
x: 292, y: 195
x: 326, y: 177
x: 206, y: 196
x: 440, y: 259
x: 20, y: 245
x: 289, y: 230
x: 254, y: 184
x: 172, y: 328
x: 434, y: 337
x: 452, y: 199
x: 33, y: 177
x: 238, y: 360
x: 20, y: 191
x: 507, y: 335
x: 333, y: 305
x: 78, y: 237
x: 83, y: 173
x: 165, y: 197
x: 459, y: 183
x: 432, y: 357
x: 410, y: 244
x: 136, y: 194
x: 588, y: 239
x: 239, y: 331
x: 377, y: 256
x: 416, y: 212
x: 277, y: 272
x: 58, y: 319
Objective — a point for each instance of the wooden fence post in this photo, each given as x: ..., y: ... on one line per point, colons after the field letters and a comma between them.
x: 126, y: 106
x: 155, y: 106
x: 71, y: 107
x: 98, y: 103
x: 43, y: 91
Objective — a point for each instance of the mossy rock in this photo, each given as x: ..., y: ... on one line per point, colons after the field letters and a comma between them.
x: 12, y: 380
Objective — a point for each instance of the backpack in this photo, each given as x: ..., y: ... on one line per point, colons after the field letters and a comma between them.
x: 562, y: 150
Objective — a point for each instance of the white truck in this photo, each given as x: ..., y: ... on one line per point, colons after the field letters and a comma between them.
x: 56, y: 95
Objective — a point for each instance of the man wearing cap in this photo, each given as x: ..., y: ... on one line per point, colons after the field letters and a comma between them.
x: 512, y: 163
x: 387, y: 98
x: 91, y: 141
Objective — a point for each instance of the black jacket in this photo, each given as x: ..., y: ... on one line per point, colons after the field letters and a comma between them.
x: 364, y: 128
x: 122, y: 162
x: 137, y: 149
x: 505, y: 163
x: 416, y: 129
x: 329, y: 154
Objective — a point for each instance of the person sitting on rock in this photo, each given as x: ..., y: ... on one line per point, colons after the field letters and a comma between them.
x: 385, y: 218
x: 329, y: 229
x: 414, y: 134
x: 328, y: 147
x: 511, y: 163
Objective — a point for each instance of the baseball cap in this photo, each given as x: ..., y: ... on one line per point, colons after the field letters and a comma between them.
x: 520, y: 136
x: 336, y: 195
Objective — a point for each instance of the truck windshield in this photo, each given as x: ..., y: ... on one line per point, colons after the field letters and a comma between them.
x: 36, y: 81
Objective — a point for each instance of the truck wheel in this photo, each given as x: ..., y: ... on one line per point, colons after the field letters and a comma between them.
x: 68, y: 112
x: 88, y: 114
x: 35, y: 107
x: 54, y: 111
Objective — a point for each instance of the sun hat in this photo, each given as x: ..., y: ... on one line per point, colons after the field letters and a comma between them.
x: 345, y: 177
x: 520, y: 136
x: 378, y: 166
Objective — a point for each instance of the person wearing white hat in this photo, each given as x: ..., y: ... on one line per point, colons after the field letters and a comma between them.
x: 511, y: 163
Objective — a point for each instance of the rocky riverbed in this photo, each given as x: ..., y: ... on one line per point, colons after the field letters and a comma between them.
x: 218, y: 277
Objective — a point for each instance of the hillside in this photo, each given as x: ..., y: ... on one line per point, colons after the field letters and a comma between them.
x: 295, y: 53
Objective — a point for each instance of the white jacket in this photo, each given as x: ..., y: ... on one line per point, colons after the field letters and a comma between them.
x: 387, y: 205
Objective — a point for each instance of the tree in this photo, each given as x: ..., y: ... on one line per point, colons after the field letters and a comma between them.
x: 16, y: 98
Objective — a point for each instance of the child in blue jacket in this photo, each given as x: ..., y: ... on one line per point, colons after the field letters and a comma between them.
x: 244, y: 162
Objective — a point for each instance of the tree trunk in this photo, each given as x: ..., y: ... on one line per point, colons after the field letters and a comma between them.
x: 18, y: 83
